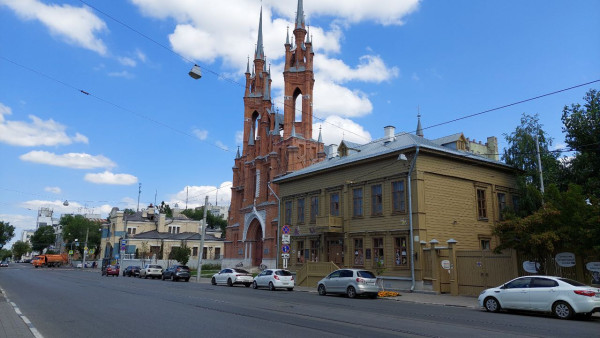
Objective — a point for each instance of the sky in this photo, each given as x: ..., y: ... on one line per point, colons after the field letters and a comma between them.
x: 95, y: 97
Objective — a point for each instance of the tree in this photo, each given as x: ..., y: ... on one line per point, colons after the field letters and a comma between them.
x: 180, y: 254
x: 4, y: 254
x: 20, y: 248
x: 43, y: 237
x: 582, y: 129
x: 143, y: 251
x: 165, y: 209
x: 212, y: 220
x: 522, y: 154
x: 7, y: 232
x: 128, y: 211
x: 77, y: 227
x: 566, y: 222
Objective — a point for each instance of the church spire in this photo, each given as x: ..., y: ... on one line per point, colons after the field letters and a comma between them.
x: 300, y: 15
x: 419, y: 128
x: 260, y: 53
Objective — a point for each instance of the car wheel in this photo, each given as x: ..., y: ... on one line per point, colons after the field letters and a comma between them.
x: 373, y: 296
x: 271, y: 286
x: 322, y: 290
x: 229, y: 282
x: 491, y: 304
x: 254, y: 285
x: 562, y: 310
x: 351, y: 292
x: 145, y: 276
x: 213, y: 281
x: 187, y: 279
x: 163, y: 277
x: 290, y: 289
x: 174, y: 279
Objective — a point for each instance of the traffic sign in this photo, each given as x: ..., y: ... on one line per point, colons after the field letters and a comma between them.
x: 70, y: 252
x: 285, y: 239
x: 285, y: 256
x: 285, y: 229
x: 285, y: 248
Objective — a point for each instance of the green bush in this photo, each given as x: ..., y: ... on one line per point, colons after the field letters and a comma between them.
x: 211, y: 266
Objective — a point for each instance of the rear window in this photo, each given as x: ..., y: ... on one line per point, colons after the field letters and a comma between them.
x: 240, y: 270
x: 572, y: 282
x: 283, y: 273
x: 154, y: 267
x: 184, y: 267
x: 365, y: 274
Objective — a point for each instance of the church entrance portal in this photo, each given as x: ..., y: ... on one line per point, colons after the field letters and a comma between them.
x: 255, y: 238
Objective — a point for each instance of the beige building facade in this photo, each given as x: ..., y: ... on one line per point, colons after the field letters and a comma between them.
x: 353, y: 209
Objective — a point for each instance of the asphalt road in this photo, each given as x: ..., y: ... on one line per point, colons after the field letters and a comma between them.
x: 76, y: 303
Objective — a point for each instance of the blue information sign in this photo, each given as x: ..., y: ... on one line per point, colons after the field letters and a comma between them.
x: 285, y: 248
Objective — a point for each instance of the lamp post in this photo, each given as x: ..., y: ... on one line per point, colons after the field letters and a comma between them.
x: 85, y: 248
x: 410, y: 218
x: 201, y: 249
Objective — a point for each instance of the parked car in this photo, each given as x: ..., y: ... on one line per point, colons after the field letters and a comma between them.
x: 4, y: 264
x: 132, y: 270
x: 351, y: 282
x: 177, y: 272
x: 151, y: 270
x: 561, y: 296
x: 111, y: 270
x: 274, y: 279
x: 232, y: 276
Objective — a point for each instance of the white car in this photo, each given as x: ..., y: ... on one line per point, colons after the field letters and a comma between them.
x: 232, y: 276
x: 561, y: 296
x: 274, y: 279
x: 151, y: 270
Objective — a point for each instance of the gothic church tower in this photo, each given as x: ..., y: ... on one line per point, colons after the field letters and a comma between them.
x: 273, y: 145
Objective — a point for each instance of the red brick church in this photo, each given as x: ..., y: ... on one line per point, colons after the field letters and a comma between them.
x: 274, y: 145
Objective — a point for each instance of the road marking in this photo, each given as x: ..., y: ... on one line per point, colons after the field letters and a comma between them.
x: 26, y: 320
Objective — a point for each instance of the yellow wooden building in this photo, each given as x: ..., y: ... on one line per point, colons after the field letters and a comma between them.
x: 380, y: 204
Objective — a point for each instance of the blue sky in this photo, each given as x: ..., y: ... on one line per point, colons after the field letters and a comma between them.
x: 145, y: 121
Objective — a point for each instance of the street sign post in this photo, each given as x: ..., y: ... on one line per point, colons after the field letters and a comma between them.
x: 285, y: 239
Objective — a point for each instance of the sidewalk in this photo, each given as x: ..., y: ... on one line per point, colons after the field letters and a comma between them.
x: 11, y: 324
x: 422, y: 298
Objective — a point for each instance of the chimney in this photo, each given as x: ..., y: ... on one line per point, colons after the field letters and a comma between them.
x: 389, y: 133
x: 330, y: 150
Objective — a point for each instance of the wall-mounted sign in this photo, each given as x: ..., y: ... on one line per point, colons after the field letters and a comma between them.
x: 565, y: 259
x: 593, y: 266
x: 446, y: 264
x: 531, y: 267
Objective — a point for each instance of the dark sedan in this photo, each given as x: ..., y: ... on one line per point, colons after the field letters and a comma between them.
x: 132, y: 270
x: 177, y: 272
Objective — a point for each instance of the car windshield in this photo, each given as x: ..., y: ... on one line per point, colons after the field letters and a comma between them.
x: 283, y: 273
x: 365, y: 274
x: 240, y: 271
x: 572, y: 282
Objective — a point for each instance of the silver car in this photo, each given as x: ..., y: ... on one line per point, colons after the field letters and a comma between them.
x: 151, y: 270
x: 351, y: 282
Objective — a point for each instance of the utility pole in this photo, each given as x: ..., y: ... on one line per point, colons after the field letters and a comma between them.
x: 537, y: 147
x: 85, y: 248
x: 201, y: 249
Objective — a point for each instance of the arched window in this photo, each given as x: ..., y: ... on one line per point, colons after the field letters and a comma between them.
x: 255, y: 116
x: 297, y: 105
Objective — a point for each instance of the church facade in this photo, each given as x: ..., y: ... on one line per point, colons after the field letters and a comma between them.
x: 274, y: 144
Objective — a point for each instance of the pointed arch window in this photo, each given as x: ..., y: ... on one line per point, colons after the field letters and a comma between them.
x: 297, y: 105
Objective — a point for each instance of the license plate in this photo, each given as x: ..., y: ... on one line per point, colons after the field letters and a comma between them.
x: 371, y: 283
x: 285, y: 283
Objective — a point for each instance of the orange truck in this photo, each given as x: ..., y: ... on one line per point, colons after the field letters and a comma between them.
x: 50, y: 260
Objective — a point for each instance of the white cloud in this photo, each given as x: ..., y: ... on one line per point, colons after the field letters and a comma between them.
x: 69, y: 160
x: 221, y: 145
x: 124, y: 74
x: 20, y: 222
x: 333, y: 99
x: 200, y: 134
x: 140, y: 55
x: 415, y: 77
x: 110, y: 178
x: 54, y: 190
x: 126, y: 61
x: 239, y: 137
x: 335, y: 129
x: 38, y: 132
x: 371, y: 68
x: 195, y: 195
x: 76, y: 25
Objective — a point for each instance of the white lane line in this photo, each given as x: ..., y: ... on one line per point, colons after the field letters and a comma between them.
x: 26, y: 320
